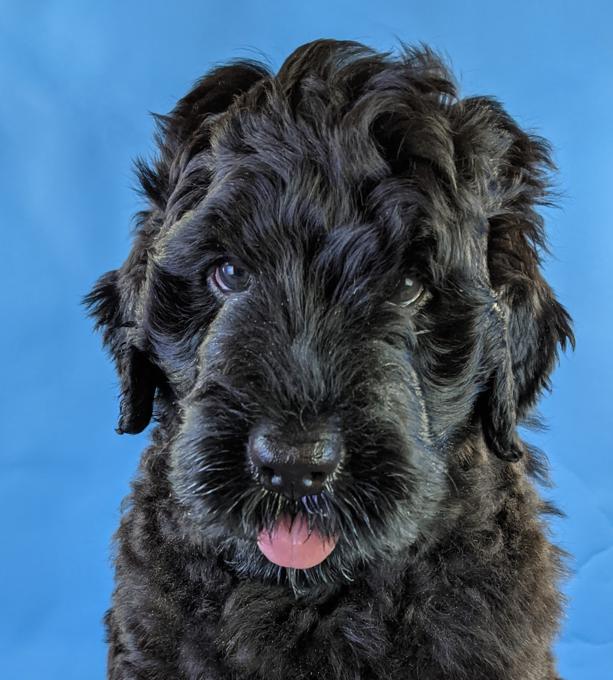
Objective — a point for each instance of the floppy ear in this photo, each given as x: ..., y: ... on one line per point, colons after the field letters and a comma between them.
x: 527, y: 328
x: 137, y: 375
x: 185, y: 132
x: 527, y: 324
x: 119, y: 300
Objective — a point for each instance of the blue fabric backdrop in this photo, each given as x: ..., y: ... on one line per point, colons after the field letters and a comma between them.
x: 76, y: 82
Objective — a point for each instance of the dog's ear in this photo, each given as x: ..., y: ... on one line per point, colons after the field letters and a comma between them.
x: 138, y: 377
x: 528, y: 324
x: 186, y: 131
x: 119, y: 300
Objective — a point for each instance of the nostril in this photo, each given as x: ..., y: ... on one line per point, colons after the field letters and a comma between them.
x: 311, y: 481
x: 269, y: 476
x: 267, y: 471
x: 307, y: 482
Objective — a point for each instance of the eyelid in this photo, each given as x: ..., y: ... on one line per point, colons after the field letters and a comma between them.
x: 218, y: 259
x: 415, y: 300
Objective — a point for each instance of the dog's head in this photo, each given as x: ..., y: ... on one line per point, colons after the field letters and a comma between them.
x: 335, y: 285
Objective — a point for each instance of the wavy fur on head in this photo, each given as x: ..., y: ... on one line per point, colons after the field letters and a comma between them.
x: 331, y: 183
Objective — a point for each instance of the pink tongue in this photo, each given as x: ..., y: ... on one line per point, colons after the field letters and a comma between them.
x: 294, y: 548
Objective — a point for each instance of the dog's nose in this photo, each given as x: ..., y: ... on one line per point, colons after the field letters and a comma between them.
x: 291, y: 466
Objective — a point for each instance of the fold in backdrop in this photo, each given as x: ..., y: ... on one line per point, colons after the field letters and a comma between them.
x: 76, y: 82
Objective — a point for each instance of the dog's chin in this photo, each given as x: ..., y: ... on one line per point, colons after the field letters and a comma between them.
x: 300, y: 548
x: 312, y: 559
x: 294, y: 543
x: 292, y: 549
x: 247, y: 559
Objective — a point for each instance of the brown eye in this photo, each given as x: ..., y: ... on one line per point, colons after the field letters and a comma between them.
x: 410, y: 292
x: 230, y: 277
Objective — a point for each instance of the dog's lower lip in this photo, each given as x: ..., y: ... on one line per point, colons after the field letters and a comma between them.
x: 290, y: 544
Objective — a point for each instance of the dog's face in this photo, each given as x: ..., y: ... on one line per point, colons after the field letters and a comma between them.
x: 336, y: 286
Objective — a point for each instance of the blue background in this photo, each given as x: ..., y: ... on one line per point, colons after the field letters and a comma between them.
x: 76, y: 82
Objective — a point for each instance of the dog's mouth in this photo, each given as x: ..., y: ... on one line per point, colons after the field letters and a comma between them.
x: 291, y: 543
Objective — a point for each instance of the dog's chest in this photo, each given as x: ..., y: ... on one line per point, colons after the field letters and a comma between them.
x: 307, y: 641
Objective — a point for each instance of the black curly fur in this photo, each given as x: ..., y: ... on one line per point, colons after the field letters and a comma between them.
x: 331, y: 182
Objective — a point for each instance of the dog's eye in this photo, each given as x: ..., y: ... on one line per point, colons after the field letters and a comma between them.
x: 410, y: 292
x: 230, y: 277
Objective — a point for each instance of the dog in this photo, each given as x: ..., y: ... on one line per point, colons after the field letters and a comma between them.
x: 335, y: 313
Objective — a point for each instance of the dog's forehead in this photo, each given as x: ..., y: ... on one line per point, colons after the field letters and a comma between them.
x: 268, y: 195
x: 262, y: 220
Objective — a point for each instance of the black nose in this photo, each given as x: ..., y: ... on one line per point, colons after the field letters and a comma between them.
x: 294, y: 466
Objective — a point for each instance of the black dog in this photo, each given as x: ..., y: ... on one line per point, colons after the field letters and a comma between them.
x: 334, y: 310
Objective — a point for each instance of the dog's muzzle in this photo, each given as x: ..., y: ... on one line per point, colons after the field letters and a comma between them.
x: 294, y: 466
